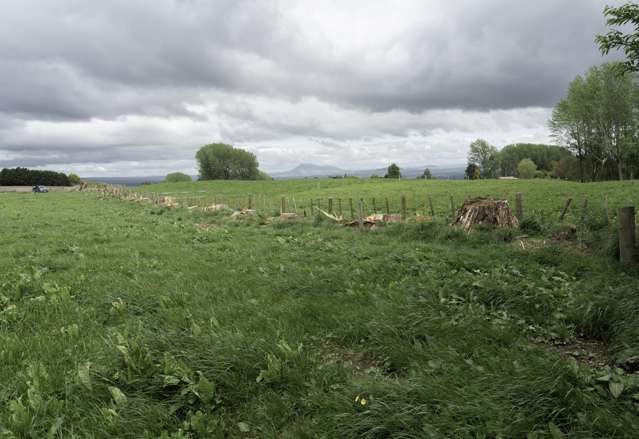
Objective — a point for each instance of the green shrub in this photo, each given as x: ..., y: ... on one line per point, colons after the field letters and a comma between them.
x: 74, y: 179
x: 176, y: 177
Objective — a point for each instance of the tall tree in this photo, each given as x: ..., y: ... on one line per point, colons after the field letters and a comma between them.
x: 572, y: 120
x: 219, y: 161
x: 597, y: 120
x: 485, y: 156
x: 393, y: 171
x: 616, y: 113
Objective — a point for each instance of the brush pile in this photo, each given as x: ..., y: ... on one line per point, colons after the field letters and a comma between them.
x: 485, y: 211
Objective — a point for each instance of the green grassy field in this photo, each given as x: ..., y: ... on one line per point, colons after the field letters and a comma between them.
x: 122, y: 319
x: 543, y: 199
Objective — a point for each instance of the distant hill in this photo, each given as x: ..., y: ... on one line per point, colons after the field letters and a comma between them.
x: 308, y: 170
x: 305, y: 170
x: 126, y: 181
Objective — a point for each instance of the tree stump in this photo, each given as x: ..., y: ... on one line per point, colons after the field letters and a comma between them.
x: 485, y: 211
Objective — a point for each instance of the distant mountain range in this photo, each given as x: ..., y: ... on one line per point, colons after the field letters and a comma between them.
x: 128, y: 181
x: 306, y: 170
x: 309, y: 170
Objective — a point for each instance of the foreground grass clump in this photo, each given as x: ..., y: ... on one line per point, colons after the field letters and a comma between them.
x: 126, y: 320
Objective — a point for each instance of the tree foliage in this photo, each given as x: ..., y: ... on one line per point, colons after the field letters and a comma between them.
x: 176, y: 177
x: 542, y: 155
x: 485, y: 156
x: 219, y: 161
x: 526, y: 168
x: 427, y: 175
x: 74, y: 179
x: 616, y: 39
x: 597, y: 121
x: 393, y: 171
x: 472, y: 172
x: 30, y: 177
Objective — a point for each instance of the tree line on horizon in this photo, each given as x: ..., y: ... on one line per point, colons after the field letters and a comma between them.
x: 596, y: 124
x: 32, y: 177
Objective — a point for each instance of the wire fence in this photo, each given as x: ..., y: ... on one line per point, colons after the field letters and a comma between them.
x: 591, y: 224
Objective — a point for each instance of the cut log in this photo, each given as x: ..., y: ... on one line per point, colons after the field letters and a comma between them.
x: 485, y: 211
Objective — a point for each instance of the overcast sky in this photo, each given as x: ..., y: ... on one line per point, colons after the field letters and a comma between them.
x: 135, y: 87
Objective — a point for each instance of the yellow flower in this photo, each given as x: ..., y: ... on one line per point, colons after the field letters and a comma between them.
x: 363, y: 402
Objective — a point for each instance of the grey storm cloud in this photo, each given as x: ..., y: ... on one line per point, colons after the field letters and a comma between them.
x: 221, y: 66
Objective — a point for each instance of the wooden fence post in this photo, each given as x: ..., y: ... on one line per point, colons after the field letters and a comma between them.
x: 402, y: 201
x: 360, y: 214
x: 519, y: 204
x: 606, y: 215
x: 432, y: 209
x: 452, y: 208
x: 350, y: 202
x: 387, y: 207
x: 565, y: 209
x: 283, y: 206
x: 339, y: 205
x: 627, y: 252
x: 312, y: 205
x: 330, y: 206
x: 250, y: 201
x: 374, y: 206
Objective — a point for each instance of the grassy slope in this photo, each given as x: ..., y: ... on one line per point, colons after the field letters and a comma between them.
x: 124, y: 320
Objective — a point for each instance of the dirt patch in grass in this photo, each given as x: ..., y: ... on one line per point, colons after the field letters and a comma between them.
x: 361, y: 362
x: 591, y: 352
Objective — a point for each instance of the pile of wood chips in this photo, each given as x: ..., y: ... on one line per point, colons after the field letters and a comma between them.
x: 485, y: 211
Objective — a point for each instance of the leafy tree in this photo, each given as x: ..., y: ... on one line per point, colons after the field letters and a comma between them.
x: 74, y: 179
x: 615, y: 39
x: 473, y: 172
x: 572, y: 121
x: 427, y: 174
x: 542, y: 155
x: 219, y: 161
x: 526, y: 168
x: 566, y: 168
x: 597, y: 121
x: 175, y: 177
x: 393, y: 171
x: 485, y: 156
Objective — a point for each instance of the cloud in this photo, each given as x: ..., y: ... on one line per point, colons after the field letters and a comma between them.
x: 127, y: 81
